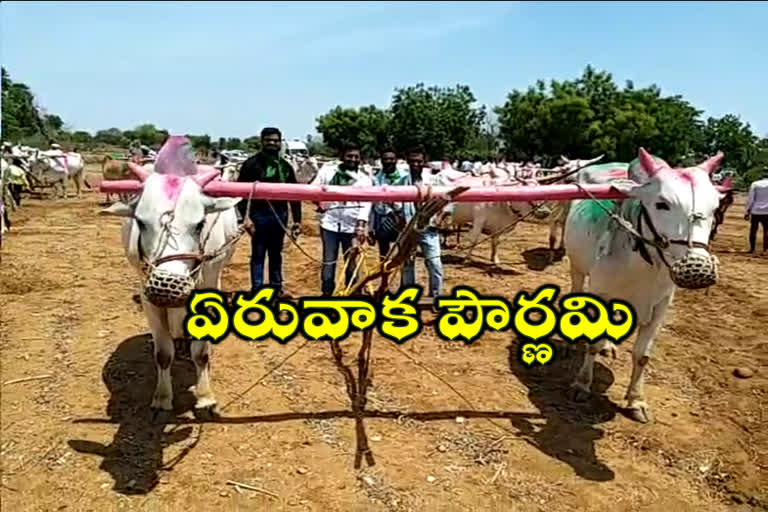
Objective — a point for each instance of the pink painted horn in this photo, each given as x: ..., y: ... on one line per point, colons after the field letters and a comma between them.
x: 711, y: 164
x: 139, y: 171
x: 206, y: 174
x: 646, y: 160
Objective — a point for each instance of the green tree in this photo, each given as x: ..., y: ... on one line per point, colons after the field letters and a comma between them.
x: 20, y: 117
x: 149, y: 135
x: 81, y: 137
x: 233, y: 143
x: 442, y: 119
x: 111, y: 136
x: 54, y: 123
x: 366, y: 126
x: 200, y: 142
x: 592, y: 115
x: 734, y: 138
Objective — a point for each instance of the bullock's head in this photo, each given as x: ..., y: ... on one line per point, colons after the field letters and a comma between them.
x: 680, y: 204
x: 167, y: 221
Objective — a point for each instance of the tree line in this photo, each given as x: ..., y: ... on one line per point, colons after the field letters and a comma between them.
x: 578, y: 118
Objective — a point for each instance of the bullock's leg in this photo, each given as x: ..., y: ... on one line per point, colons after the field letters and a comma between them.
x: 646, y: 335
x: 474, y: 236
x: 495, y: 250
x: 552, y: 234
x: 201, y: 356
x: 577, y: 279
x: 79, y: 183
x: 200, y: 352
x: 562, y: 237
x: 164, y: 354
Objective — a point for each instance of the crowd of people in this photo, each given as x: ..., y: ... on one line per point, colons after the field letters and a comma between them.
x: 342, y: 224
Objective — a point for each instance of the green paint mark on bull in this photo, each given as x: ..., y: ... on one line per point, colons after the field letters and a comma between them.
x: 594, y: 211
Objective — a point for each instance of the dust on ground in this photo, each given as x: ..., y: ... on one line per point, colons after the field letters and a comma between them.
x: 83, y: 438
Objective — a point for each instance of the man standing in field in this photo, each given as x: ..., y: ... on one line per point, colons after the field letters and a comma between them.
x: 388, y: 219
x: 430, y: 237
x: 757, y: 211
x: 267, y: 224
x: 342, y: 223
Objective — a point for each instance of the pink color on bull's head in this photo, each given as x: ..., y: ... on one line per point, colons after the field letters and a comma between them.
x: 176, y: 158
x: 172, y: 186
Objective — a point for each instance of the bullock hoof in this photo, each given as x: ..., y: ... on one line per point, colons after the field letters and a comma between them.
x: 577, y: 394
x: 161, y: 416
x: 641, y: 414
x: 207, y: 412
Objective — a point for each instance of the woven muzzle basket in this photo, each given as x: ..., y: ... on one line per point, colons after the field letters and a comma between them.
x: 695, y: 271
x: 167, y: 290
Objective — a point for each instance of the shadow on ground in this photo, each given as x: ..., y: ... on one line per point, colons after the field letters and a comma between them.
x: 135, y: 456
x: 569, y: 430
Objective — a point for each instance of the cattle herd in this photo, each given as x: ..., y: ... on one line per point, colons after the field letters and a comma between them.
x: 32, y: 169
x: 639, y: 249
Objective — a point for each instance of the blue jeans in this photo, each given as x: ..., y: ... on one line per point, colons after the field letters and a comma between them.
x: 267, y: 239
x: 430, y: 246
x: 331, y: 242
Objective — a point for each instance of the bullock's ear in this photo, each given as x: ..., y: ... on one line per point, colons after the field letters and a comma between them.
x: 220, y: 204
x: 626, y: 187
x: 119, y: 209
x: 637, y: 190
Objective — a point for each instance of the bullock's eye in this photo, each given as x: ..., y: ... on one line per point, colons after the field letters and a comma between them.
x: 662, y: 206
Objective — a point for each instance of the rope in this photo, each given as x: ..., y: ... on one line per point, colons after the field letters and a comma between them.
x: 448, y: 385
x: 293, y: 240
x: 270, y: 372
x: 621, y: 221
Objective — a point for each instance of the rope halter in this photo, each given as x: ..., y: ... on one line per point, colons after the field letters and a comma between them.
x: 166, y: 289
x: 694, y: 270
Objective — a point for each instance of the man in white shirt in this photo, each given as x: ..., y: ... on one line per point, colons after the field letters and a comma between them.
x: 342, y: 223
x: 757, y: 211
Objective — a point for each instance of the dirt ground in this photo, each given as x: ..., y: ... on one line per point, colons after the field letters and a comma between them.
x: 82, y: 438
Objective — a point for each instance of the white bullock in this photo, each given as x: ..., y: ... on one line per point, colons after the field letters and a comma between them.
x: 672, y: 210
x: 53, y: 168
x: 174, y: 233
x: 493, y: 217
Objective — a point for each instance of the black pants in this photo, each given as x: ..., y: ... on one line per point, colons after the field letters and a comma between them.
x: 762, y: 220
x: 267, y: 241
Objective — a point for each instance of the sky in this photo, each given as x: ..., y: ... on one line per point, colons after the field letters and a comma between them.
x: 230, y: 68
